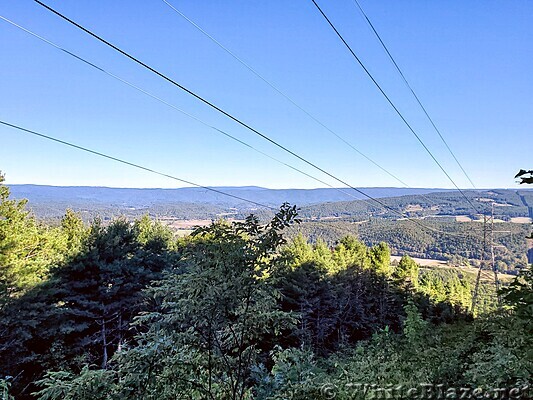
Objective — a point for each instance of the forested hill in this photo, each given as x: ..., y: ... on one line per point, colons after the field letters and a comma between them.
x: 196, y: 203
x: 508, y: 204
x: 145, y: 197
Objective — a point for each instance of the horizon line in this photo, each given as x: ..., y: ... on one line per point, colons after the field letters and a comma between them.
x: 260, y: 187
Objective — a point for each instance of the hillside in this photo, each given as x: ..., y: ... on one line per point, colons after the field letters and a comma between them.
x: 196, y: 203
x: 508, y: 204
x: 183, y: 209
x: 406, y: 238
x: 128, y: 308
x: 145, y: 197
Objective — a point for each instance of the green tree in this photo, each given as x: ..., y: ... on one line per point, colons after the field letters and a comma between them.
x: 339, y: 297
x: 322, y: 255
x: 81, y: 314
x: 518, y: 297
x: 406, y: 272
x: 214, y: 318
x: 298, y: 251
x: 87, y: 385
x: 27, y: 249
x: 4, y: 389
x: 351, y: 252
x: 380, y: 258
x: 75, y: 231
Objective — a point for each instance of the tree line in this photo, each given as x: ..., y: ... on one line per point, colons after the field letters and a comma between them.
x: 126, y: 310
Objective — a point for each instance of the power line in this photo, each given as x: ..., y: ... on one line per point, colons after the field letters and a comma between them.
x: 131, y: 164
x: 280, y: 92
x: 412, y: 90
x: 114, y: 76
x: 287, y: 97
x: 176, y: 108
x: 181, y: 111
x: 210, y: 104
x: 391, y: 104
x: 489, y: 220
x: 231, y: 116
x: 138, y: 166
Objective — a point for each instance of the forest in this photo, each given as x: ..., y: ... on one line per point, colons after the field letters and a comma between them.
x: 49, y: 202
x: 245, y: 310
x: 329, y: 221
x: 404, y: 237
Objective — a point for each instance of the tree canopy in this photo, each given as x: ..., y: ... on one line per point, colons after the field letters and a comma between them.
x: 236, y: 310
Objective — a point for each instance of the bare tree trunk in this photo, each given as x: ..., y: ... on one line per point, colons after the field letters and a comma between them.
x: 119, y: 346
x: 104, y: 343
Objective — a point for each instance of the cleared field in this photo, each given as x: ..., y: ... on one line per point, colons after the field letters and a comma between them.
x: 413, y: 207
x: 486, y: 275
x: 502, y: 205
x: 424, y: 262
x: 187, y: 223
x: 521, y: 220
x: 183, y: 232
x: 464, y: 218
x: 190, y: 224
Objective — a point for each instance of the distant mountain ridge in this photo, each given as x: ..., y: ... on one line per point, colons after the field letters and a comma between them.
x: 147, y: 197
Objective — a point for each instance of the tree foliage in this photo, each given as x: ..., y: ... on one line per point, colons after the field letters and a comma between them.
x: 525, y: 176
x: 81, y: 314
x: 27, y: 248
x: 124, y: 310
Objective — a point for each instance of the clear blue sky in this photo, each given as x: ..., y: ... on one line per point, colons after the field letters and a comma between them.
x: 469, y: 61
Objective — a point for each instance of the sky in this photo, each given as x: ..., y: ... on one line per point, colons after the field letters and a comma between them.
x: 469, y: 62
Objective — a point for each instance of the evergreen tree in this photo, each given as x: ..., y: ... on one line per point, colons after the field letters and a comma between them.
x: 298, y: 251
x: 81, y: 314
x: 75, y: 232
x: 206, y: 337
x: 27, y: 249
x: 351, y: 252
x: 380, y: 258
x: 406, y: 272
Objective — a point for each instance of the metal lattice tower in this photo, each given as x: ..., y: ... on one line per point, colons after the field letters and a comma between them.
x: 488, y: 241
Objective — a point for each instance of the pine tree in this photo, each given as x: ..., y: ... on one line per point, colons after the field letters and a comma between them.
x: 82, y: 313
x: 380, y: 258
x: 27, y: 249
x: 406, y: 272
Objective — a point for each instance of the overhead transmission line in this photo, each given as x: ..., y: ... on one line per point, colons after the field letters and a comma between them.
x: 287, y: 97
x: 131, y: 164
x: 378, y: 36
x: 227, y: 114
x: 185, y: 113
x: 147, y: 169
x: 181, y: 111
x: 235, y: 119
x: 280, y: 92
x: 392, y: 104
x: 153, y: 96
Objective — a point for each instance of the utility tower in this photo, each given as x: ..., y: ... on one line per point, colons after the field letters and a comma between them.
x: 488, y: 244
x: 482, y: 263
